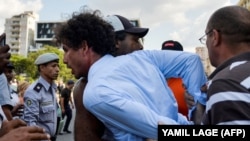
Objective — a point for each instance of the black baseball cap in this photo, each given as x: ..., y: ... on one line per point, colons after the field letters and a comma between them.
x: 171, y: 45
x: 121, y: 23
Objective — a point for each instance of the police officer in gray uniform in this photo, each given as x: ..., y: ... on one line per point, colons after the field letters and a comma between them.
x: 40, y: 104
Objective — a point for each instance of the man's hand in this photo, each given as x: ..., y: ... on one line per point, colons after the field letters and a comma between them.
x: 189, y: 100
x: 7, y: 126
x: 16, y: 130
x: 204, y: 88
x: 25, y: 133
x: 17, y: 110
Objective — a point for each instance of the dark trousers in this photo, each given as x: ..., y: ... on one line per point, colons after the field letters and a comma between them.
x: 68, y: 113
x: 57, y: 124
x: 53, y: 138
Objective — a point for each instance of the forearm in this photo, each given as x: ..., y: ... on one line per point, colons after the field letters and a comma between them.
x: 193, y: 84
x: 7, y: 112
x: 197, y: 114
x: 62, y: 103
x: 71, y: 101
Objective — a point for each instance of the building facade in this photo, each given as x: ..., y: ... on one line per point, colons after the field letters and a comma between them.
x: 44, y: 34
x: 244, y: 3
x: 25, y: 33
x: 203, y: 53
x: 20, y: 31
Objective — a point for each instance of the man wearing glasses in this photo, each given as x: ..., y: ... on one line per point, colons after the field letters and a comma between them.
x: 228, y: 42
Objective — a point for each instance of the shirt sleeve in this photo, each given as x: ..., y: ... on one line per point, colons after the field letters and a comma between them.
x: 187, y: 66
x: 31, y: 108
x: 5, y: 92
x: 143, y: 122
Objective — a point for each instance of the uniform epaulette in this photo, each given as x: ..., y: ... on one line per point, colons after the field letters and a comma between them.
x: 38, y: 87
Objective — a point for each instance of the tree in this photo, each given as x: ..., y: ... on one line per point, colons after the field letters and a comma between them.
x: 26, y: 65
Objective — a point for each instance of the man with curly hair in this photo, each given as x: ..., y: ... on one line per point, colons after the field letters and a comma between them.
x: 127, y: 93
x: 87, y: 126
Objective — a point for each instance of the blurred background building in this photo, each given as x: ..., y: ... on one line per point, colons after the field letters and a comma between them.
x: 20, y: 31
x: 44, y: 34
x: 203, y: 53
x: 244, y: 3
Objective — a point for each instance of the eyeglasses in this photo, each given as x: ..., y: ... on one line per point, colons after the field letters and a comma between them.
x: 203, y: 39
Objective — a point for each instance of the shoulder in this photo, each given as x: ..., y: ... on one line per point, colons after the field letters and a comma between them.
x: 38, y: 87
x: 34, y: 88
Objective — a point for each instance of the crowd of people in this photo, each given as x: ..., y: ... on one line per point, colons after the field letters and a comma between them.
x: 124, y: 92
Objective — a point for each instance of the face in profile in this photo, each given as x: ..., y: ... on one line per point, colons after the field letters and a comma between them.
x: 129, y: 44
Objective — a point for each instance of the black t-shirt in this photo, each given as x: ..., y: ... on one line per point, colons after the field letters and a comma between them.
x: 66, y: 93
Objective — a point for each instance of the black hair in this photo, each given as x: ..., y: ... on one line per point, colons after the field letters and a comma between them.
x: 233, y: 22
x: 87, y: 26
x: 120, y: 35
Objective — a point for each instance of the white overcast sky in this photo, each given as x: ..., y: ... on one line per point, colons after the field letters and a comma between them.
x: 181, y: 20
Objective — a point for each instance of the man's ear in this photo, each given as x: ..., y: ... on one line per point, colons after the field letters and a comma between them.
x: 84, y: 46
x: 117, y: 44
x: 216, y: 37
x: 42, y: 67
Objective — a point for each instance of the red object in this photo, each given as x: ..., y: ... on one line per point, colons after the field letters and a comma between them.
x: 176, y: 86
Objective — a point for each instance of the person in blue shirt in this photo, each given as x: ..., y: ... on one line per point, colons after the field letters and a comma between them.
x: 17, y: 110
x: 127, y: 93
x: 5, y: 97
x: 88, y: 127
x: 40, y: 104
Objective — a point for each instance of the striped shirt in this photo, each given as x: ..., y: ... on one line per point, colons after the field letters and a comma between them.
x: 229, y: 93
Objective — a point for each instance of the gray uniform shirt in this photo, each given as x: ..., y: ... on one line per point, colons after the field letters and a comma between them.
x: 40, y: 108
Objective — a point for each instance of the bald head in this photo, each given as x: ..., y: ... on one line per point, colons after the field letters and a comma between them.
x: 233, y: 22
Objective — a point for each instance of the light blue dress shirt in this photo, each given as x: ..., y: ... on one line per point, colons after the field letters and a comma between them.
x: 130, y: 96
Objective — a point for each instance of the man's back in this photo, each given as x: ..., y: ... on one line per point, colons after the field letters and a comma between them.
x: 91, y: 130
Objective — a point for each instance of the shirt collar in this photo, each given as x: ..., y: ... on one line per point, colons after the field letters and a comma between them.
x: 45, y: 84
x: 98, y: 64
x: 240, y: 57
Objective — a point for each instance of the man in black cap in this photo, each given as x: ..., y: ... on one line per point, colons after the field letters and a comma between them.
x: 40, y: 104
x: 171, y: 45
x: 128, y: 37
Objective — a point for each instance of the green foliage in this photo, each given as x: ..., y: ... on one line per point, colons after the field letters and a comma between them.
x: 26, y: 69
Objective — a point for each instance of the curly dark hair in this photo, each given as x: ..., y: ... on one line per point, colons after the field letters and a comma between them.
x: 87, y: 26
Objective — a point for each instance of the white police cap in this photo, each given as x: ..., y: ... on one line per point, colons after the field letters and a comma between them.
x: 45, y: 58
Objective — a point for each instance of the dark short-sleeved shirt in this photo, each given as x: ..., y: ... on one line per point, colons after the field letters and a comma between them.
x: 66, y: 94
